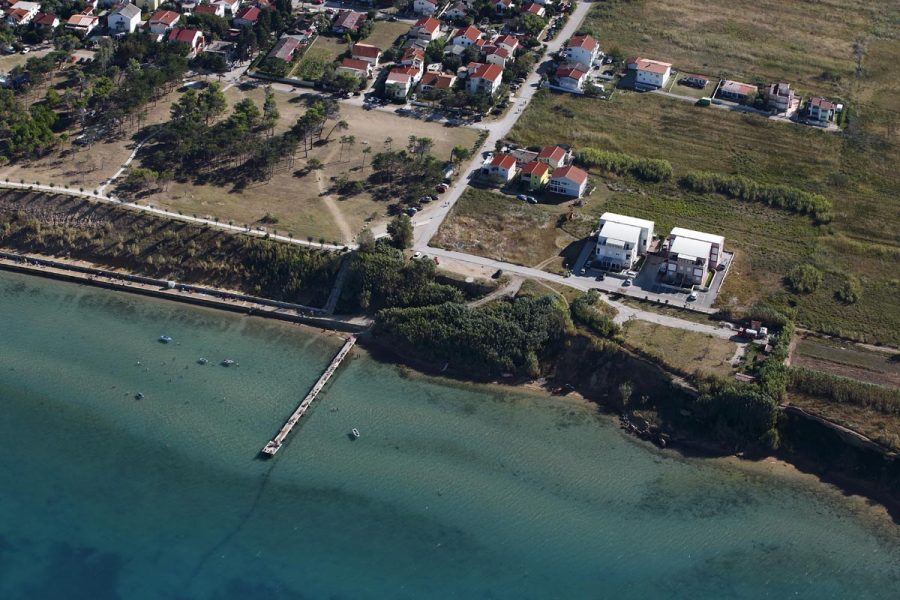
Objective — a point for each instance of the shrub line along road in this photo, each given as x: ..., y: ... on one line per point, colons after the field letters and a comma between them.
x: 429, y: 220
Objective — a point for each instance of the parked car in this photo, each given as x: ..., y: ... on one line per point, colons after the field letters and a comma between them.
x: 522, y: 197
x: 497, y: 274
x: 442, y: 187
x: 531, y: 200
x: 601, y: 277
x: 627, y: 282
x: 411, y: 210
x: 692, y: 297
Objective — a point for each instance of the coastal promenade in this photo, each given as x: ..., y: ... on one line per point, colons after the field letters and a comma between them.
x: 275, y: 444
x: 191, y: 294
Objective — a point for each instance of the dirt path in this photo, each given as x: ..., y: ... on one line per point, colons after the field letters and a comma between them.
x: 510, y: 289
x: 333, y: 208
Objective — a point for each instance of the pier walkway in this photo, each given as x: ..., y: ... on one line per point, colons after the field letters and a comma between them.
x: 273, y: 446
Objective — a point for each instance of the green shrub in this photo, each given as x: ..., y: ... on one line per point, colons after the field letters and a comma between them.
x: 744, y: 188
x: 850, y: 291
x: 586, y: 311
x: 804, y: 278
x: 845, y: 391
x: 646, y: 169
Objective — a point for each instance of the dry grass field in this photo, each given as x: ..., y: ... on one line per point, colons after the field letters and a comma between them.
x: 684, y: 351
x: 846, y: 360
x: 296, y: 202
x: 385, y: 33
x: 811, y: 44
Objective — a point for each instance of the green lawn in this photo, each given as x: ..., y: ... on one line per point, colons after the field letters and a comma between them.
x: 385, y: 33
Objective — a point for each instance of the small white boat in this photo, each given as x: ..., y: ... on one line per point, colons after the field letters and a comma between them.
x: 165, y: 339
x: 227, y: 362
x: 139, y: 396
x: 202, y: 361
x: 354, y: 433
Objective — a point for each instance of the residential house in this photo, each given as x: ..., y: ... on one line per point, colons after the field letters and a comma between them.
x: 496, y: 55
x: 689, y: 255
x: 510, y: 42
x: 536, y: 10
x: 360, y: 69
x: 697, y: 81
x: 582, y: 49
x: 366, y: 52
x: 124, y: 19
x: 820, y: 111
x: 413, y: 57
x: 554, y: 156
x: 621, y: 240
x: 544, y: 2
x: 398, y: 84
x: 149, y: 4
x: 285, y: 47
x: 780, y: 97
x: 22, y: 13
x: 46, y: 21
x: 246, y: 17
x: 426, y: 29
x: 535, y: 175
x: 192, y: 38
x: 425, y: 7
x: 465, y: 36
x: 217, y: 9
x: 568, y: 181
x: 348, y: 21
x: 163, y: 20
x: 502, y: 6
x: 484, y: 79
x: 230, y: 6
x: 457, y: 11
x: 501, y: 167
x: 433, y: 81
x: 649, y: 74
x: 82, y: 24
x: 737, y: 91
x: 570, y: 78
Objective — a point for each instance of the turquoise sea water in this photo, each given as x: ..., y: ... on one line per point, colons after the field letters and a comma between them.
x: 452, y: 491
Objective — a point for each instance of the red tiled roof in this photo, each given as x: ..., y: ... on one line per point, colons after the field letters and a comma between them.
x: 397, y: 75
x: 411, y: 71
x: 507, y: 40
x: 504, y: 161
x: 185, y: 36
x: 822, y: 103
x: 582, y: 41
x: 365, y: 50
x: 349, y: 19
x: 534, y: 9
x: 552, y: 153
x: 535, y: 168
x: 573, y: 173
x: 470, y: 33
x: 497, y: 50
x: 429, y: 24
x: 489, y: 72
x: 653, y: 66
x: 46, y: 19
x: 166, y: 17
x: 441, y: 81
x: 572, y: 72
x: 355, y: 63
x: 413, y: 52
x: 736, y: 87
x: 207, y: 9
x: 248, y: 13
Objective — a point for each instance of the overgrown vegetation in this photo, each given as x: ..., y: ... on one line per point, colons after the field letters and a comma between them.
x: 744, y: 188
x: 842, y: 390
x: 113, y: 237
x: 591, y: 311
x: 501, y: 337
x: 382, y: 277
x: 804, y: 278
x: 619, y: 163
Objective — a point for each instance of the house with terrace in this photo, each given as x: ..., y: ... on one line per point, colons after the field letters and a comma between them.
x: 426, y: 29
x: 425, y: 7
x: 484, y: 79
x: 366, y: 52
x: 124, y: 19
x: 360, y: 69
x: 163, y: 20
x: 689, y: 255
x: 649, y: 74
x: 568, y: 181
x: 535, y: 175
x: 501, y: 168
x: 570, y: 78
x: 583, y: 50
x: 820, y: 111
x: 737, y: 91
x: 621, y: 240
